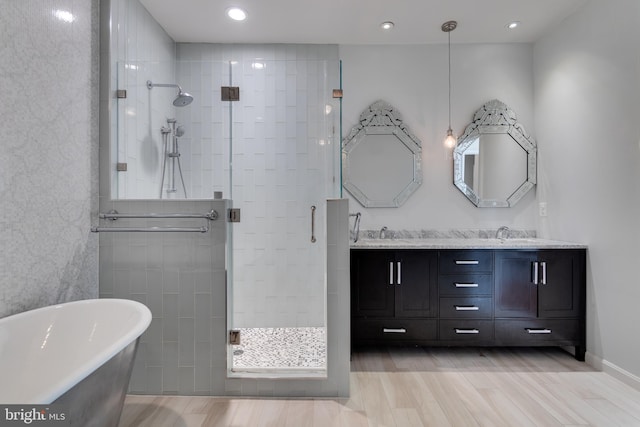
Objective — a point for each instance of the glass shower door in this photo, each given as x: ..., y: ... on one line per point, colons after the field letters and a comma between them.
x: 285, y: 154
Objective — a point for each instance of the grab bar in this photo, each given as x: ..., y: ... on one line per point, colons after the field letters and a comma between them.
x: 313, y: 224
x: 149, y: 229
x: 113, y: 215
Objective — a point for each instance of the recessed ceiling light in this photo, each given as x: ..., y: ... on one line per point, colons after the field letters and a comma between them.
x: 236, y: 14
x: 387, y: 25
x: 513, y: 25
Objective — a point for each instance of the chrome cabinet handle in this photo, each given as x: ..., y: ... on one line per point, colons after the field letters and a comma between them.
x: 543, y: 264
x: 394, y: 330
x: 467, y: 262
x: 467, y: 331
x: 313, y: 224
x: 391, y: 273
x: 467, y: 307
x: 538, y: 331
x: 535, y: 272
x: 399, y: 267
x: 466, y: 285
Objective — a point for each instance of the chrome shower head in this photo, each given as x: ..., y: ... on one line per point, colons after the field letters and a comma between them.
x: 181, y: 100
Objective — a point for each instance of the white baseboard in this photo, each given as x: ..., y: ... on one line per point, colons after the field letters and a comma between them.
x: 613, y: 370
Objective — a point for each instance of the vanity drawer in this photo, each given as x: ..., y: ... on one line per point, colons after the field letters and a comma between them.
x: 465, y: 284
x: 466, y: 330
x: 537, y: 330
x: 393, y: 330
x: 466, y: 308
x: 465, y: 261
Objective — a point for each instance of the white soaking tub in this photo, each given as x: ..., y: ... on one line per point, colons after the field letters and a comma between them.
x: 77, y: 354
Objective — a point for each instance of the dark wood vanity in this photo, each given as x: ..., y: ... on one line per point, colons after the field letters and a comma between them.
x: 469, y: 297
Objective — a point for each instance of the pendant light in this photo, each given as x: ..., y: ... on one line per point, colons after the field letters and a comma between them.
x: 447, y: 27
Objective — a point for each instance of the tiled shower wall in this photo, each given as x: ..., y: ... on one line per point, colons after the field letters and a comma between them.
x: 181, y: 278
x: 142, y: 51
x: 49, y: 70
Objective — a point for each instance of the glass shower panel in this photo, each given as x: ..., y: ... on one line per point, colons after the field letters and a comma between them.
x: 285, y: 154
x: 164, y: 151
x: 141, y: 113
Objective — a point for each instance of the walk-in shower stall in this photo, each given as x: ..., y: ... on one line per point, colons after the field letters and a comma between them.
x: 265, y: 133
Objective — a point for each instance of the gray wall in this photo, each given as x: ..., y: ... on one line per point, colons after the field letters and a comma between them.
x: 48, y: 167
x: 587, y: 110
x: 413, y: 78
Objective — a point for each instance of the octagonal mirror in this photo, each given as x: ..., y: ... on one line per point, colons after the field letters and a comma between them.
x: 381, y: 158
x: 495, y: 159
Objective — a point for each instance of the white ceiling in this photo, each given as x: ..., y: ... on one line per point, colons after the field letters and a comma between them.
x: 358, y: 21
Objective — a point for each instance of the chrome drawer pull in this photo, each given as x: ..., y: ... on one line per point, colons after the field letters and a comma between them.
x: 467, y: 331
x: 467, y: 262
x: 466, y: 285
x: 394, y: 330
x: 538, y: 331
x: 467, y: 308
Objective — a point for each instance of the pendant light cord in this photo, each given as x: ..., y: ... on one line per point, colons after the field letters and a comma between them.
x: 449, y: 34
x: 447, y: 27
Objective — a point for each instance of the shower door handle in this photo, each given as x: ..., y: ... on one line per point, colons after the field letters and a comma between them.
x: 313, y: 224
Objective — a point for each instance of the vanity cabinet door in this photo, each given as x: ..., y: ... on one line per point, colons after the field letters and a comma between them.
x: 372, y: 283
x: 561, y: 279
x: 393, y: 283
x: 416, y: 279
x: 516, y: 295
x: 539, y: 284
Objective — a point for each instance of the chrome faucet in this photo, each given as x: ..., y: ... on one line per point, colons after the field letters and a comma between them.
x: 383, y: 234
x: 502, y: 232
x: 356, y: 226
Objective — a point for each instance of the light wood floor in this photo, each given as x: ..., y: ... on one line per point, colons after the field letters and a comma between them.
x: 405, y: 387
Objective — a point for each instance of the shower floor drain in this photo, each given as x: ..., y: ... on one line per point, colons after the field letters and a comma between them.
x: 237, y: 352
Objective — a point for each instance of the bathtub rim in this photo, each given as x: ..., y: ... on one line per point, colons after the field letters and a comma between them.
x: 85, y: 369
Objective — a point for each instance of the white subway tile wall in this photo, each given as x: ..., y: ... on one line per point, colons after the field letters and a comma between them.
x: 141, y: 51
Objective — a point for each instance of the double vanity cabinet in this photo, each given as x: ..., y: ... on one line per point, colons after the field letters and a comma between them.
x: 494, y: 294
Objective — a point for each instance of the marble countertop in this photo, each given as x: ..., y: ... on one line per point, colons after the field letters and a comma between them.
x: 464, y: 243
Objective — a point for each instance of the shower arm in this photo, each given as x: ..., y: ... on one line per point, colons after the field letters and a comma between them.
x: 151, y: 85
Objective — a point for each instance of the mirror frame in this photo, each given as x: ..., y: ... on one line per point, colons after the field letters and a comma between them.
x: 381, y: 118
x: 495, y: 117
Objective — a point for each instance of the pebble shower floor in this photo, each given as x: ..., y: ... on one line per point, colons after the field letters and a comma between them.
x: 278, y: 348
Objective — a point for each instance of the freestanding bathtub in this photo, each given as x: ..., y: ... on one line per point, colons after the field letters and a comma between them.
x: 78, y: 355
